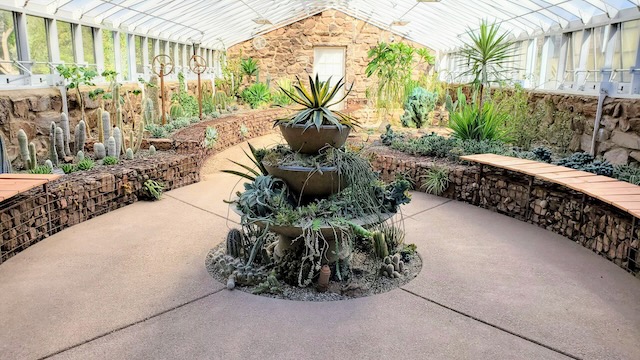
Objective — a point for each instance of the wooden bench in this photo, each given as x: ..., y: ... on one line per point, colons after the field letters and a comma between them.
x: 623, y: 195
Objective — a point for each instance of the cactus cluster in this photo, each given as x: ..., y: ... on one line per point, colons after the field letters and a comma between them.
x: 80, y: 136
x: 380, y: 245
x: 220, y: 101
x: 393, y: 267
x: 5, y: 162
x: 270, y: 286
x: 234, y: 268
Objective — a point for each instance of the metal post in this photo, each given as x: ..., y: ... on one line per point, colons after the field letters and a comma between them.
x: 200, y: 96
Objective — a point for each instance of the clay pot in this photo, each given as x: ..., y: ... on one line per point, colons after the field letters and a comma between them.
x: 311, y: 140
x: 309, y: 182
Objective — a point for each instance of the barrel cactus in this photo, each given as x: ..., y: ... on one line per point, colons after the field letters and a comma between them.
x: 129, y: 154
x: 152, y: 150
x: 234, y: 243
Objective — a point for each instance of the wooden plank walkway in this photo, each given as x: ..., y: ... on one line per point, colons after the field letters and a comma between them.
x: 14, y: 184
x: 623, y: 195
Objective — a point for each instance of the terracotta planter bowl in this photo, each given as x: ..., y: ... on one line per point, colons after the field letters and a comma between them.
x: 309, y: 182
x: 312, y: 140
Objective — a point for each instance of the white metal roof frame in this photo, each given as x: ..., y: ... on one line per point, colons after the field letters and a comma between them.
x: 219, y: 24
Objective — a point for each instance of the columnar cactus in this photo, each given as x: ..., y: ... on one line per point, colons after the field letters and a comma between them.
x: 5, y: 162
x: 48, y: 164
x: 81, y: 136
x: 117, y: 135
x: 60, y: 143
x: 99, y: 151
x: 152, y: 150
x: 106, y: 125
x: 234, y: 243
x: 23, y: 144
x: 380, y: 245
x: 33, y: 155
x: 99, y: 112
x: 53, y: 154
x: 153, y: 96
x: 393, y: 267
x: 64, y: 124
x: 111, y: 147
x: 129, y: 154
x: 80, y: 155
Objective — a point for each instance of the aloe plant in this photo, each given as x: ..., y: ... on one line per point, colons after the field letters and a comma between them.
x: 256, y: 158
x: 316, y: 102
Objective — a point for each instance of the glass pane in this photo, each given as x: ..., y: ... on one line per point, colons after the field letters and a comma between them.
x: 64, y: 41
x: 109, y: 53
x: 87, y: 46
x: 180, y: 61
x: 172, y: 52
x: 150, y: 43
x: 629, y: 43
x: 8, y: 49
x: 139, y: 65
x: 595, y: 59
x: 163, y: 47
x: 38, y: 49
x: 554, y: 60
x: 124, y: 56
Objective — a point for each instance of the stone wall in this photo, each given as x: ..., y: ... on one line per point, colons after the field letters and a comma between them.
x: 33, y: 110
x: 290, y: 50
x: 595, y: 225
x: 77, y: 197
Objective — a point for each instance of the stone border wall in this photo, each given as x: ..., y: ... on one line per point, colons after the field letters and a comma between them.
x: 595, y: 225
x: 80, y: 196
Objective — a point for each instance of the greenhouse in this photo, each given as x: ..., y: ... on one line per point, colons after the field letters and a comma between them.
x: 421, y: 179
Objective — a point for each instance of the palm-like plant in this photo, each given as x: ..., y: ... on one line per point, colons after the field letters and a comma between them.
x: 316, y: 102
x: 470, y: 123
x: 488, y: 53
x: 249, y: 67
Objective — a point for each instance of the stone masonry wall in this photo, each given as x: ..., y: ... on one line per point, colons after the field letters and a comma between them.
x: 80, y: 196
x: 595, y: 225
x: 34, y: 109
x: 290, y: 50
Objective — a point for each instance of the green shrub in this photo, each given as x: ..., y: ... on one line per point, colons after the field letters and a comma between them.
x: 436, y: 180
x: 470, y: 124
x: 417, y: 108
x: 110, y: 160
x: 628, y: 173
x: 68, y: 168
x: 427, y: 145
x: 256, y: 95
x: 156, y: 131
x: 188, y: 103
x: 586, y: 162
x: 86, y: 164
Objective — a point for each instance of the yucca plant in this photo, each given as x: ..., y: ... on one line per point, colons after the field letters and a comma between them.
x: 489, y: 53
x: 470, y: 124
x: 316, y: 102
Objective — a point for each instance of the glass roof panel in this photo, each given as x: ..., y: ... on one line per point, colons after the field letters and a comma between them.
x: 222, y: 23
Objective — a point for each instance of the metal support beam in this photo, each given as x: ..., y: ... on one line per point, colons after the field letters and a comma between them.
x: 547, y: 53
x: 116, y: 52
x: 529, y: 81
x: 131, y: 55
x: 584, y: 57
x: 52, y: 39
x: 562, y: 60
x: 78, y: 48
x: 99, y: 49
x: 22, y: 43
x: 145, y: 55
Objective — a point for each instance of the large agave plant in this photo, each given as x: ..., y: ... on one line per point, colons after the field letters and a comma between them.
x: 316, y: 101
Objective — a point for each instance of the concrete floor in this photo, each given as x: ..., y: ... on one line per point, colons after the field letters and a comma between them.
x: 131, y: 284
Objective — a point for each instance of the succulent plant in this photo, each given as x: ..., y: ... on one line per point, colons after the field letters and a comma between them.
x: 99, y: 151
x: 53, y: 153
x: 112, y: 150
x: 117, y: 135
x: 109, y: 160
x: 68, y: 168
x: 33, y: 160
x: 393, y: 267
x: 243, y: 274
x: 80, y: 136
x: 380, y: 245
x: 80, y: 155
x: 234, y: 243
x: 41, y: 169
x: 23, y: 144
x: 106, y: 126
x: 48, y: 164
x: 86, y: 164
x: 99, y: 113
x: 152, y: 150
x: 60, y: 143
x: 129, y: 154
x: 5, y: 162
x: 64, y: 124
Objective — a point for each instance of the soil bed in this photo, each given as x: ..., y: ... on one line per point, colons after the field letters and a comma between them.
x: 365, y: 280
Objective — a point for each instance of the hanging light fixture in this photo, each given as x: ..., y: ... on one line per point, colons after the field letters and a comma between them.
x: 399, y: 23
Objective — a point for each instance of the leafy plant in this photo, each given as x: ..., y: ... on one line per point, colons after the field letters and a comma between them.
x: 86, y: 164
x: 210, y: 137
x: 40, y: 169
x: 279, y: 97
x: 417, y: 108
x: 260, y: 197
x: 470, y: 124
x: 110, y: 160
x: 436, y: 180
x: 256, y: 159
x: 187, y: 102
x: 152, y: 189
x: 427, y: 145
x: 68, y: 168
x: 488, y: 55
x: 256, y: 95
x: 249, y: 67
x: 316, y: 102
x: 393, y: 65
x: 77, y: 76
x: 156, y: 131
